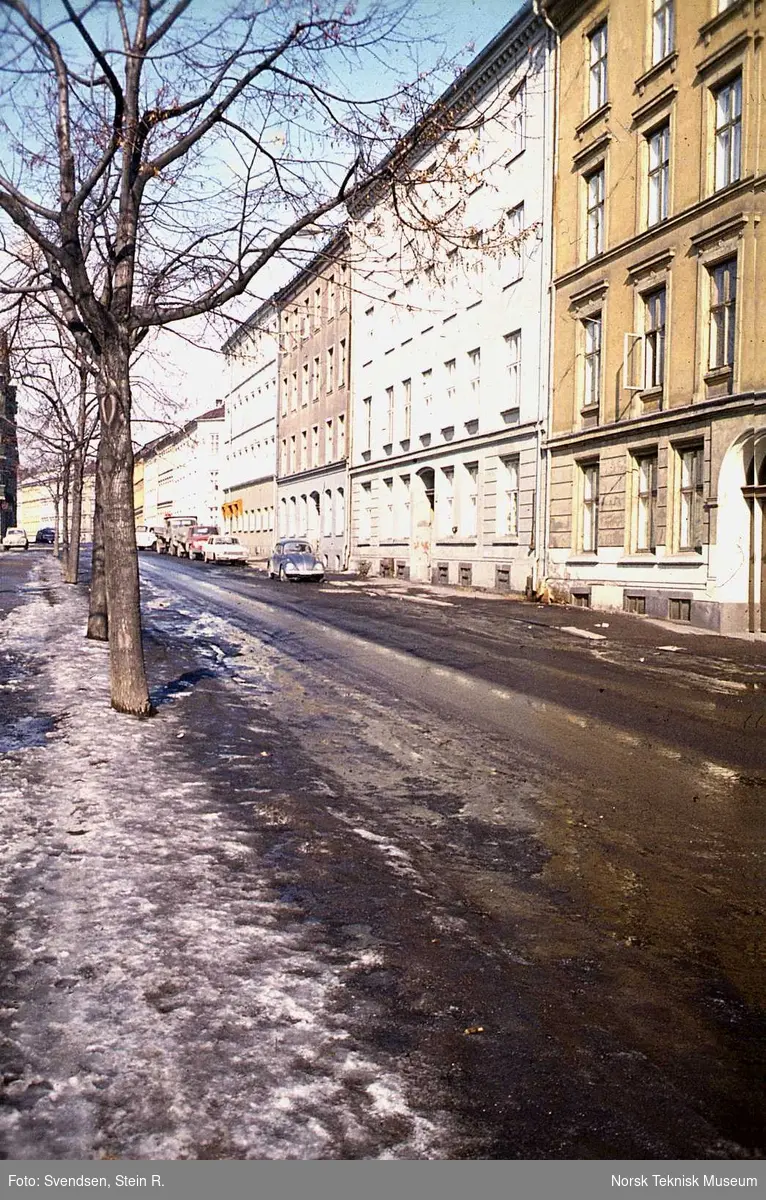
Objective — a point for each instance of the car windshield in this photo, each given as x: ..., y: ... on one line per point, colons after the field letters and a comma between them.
x: 208, y: 529
x: 296, y: 548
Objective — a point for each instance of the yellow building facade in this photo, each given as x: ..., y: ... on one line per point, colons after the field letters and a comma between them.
x: 657, y: 449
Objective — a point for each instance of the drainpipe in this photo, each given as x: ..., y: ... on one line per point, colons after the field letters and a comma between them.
x: 543, y: 456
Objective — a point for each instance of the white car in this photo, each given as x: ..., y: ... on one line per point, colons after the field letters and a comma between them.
x: 15, y: 539
x: 145, y: 537
x: 224, y: 548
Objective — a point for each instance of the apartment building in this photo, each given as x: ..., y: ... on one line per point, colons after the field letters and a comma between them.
x: 450, y: 348
x: 41, y: 504
x: 9, y: 453
x: 658, y: 434
x: 314, y: 367
x: 248, y: 464
x: 180, y: 472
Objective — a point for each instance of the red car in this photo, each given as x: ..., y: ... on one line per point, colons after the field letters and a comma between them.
x: 196, y: 538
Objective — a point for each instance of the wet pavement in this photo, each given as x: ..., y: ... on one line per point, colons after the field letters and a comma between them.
x: 409, y: 879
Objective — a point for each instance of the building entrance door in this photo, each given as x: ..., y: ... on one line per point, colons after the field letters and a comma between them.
x: 754, y: 492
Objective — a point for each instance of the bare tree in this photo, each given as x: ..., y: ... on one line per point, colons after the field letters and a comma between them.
x: 155, y: 158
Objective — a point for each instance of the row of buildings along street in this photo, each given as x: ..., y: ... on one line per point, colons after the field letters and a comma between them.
x: 574, y: 407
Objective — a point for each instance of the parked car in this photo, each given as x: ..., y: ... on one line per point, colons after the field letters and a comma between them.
x: 293, y: 558
x: 196, y: 536
x: 15, y: 539
x: 45, y: 536
x: 145, y: 537
x: 224, y: 548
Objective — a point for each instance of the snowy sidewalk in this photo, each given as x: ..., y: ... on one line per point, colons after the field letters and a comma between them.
x: 160, y: 999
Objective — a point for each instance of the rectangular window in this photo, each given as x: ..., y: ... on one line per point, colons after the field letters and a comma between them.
x: 723, y: 313
x: 342, y: 376
x: 659, y: 174
x: 663, y: 29
x: 507, y: 512
x: 728, y: 132
x: 342, y: 436
x: 365, y: 512
x: 328, y: 447
x: 285, y: 394
x: 469, y: 507
x: 592, y: 362
x: 304, y: 448
x: 594, y: 212
x: 387, y: 510
x: 283, y: 457
x: 646, y: 502
x: 518, y: 120
x: 305, y: 384
x: 315, y: 445
x: 317, y: 307
x: 511, y: 259
x: 691, y: 494
x: 402, y: 512
x: 332, y: 296
x: 654, y: 338
x: 474, y: 380
x: 330, y: 381
x: 426, y: 390
x: 315, y: 378
x: 389, y: 415
x: 406, y: 408
x: 513, y: 367
x: 445, y: 502
x: 293, y: 454
x: 598, y: 59
x: 589, y: 531
x: 367, y: 423
x: 449, y: 380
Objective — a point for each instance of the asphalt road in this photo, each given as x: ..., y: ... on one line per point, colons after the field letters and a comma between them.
x: 555, y: 846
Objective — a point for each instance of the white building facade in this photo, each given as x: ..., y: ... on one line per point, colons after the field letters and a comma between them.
x: 181, y: 472
x: 248, y: 466
x: 450, y: 345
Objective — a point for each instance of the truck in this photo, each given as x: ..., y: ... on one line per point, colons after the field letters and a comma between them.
x: 170, y: 535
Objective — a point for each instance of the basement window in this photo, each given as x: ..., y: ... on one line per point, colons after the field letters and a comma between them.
x: 442, y: 572
x: 465, y: 574
x: 679, y: 609
x: 581, y: 599
x: 635, y: 604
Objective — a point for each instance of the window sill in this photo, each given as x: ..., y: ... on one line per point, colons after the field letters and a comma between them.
x: 509, y: 541
x: 591, y: 119
x: 456, y: 541
x: 684, y: 558
x: 640, y: 558
x: 586, y: 559
x: 668, y: 63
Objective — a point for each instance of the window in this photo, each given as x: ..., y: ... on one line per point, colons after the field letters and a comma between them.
x: 445, y: 502
x: 513, y: 366
x: 294, y: 391
x: 426, y: 391
x: 594, y: 212
x: 342, y: 378
x: 468, y: 509
x: 449, y: 377
x: 327, y: 513
x: 597, y: 77
x: 474, y: 382
x: 728, y: 132
x: 214, y: 443
x: 511, y: 259
x: 332, y: 296
x: 592, y: 362
x: 328, y: 454
x: 305, y: 384
x: 293, y: 454
x: 315, y: 378
x: 389, y: 415
x: 402, y: 510
x: 663, y: 29
x: 285, y: 393
x: 317, y: 306
x: 589, y: 530
x: 507, y: 511
x: 340, y: 512
x: 342, y: 436
x: 367, y: 423
x: 646, y: 502
x: 723, y: 313
x: 365, y: 512
x: 304, y: 448
x: 659, y: 174
x: 315, y: 445
x: 691, y: 492
x: 654, y: 339
x: 518, y: 119
x: 330, y: 381
x: 283, y: 457
x: 406, y: 408
x: 387, y: 510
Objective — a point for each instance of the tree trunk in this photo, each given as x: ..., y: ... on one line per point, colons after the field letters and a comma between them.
x: 98, y: 624
x: 130, y: 693
x: 66, y: 475
x: 72, y: 554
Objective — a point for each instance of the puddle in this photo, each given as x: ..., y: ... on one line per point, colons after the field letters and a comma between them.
x: 25, y: 733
